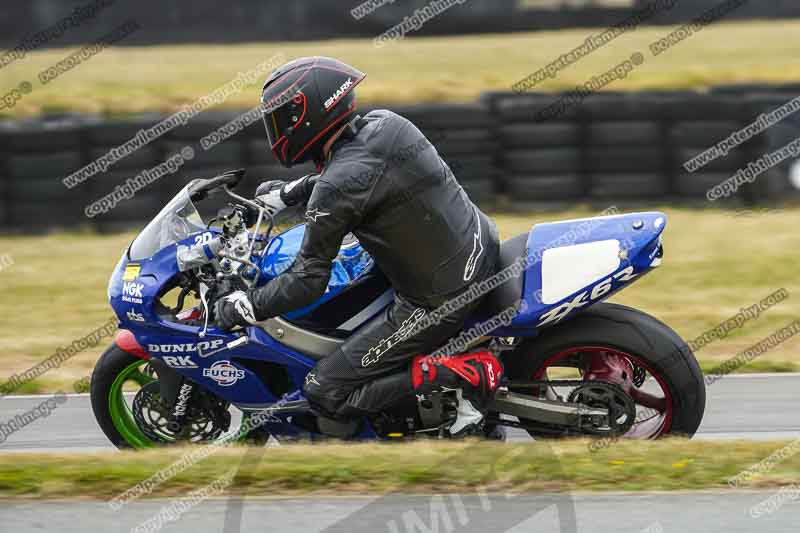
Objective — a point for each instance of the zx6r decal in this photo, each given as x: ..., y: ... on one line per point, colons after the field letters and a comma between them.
x: 586, y: 297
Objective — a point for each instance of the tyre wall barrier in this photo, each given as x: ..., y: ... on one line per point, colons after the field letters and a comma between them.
x: 626, y: 148
x: 204, y: 21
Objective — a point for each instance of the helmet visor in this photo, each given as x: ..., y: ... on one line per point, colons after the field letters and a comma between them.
x: 279, y: 122
x: 272, y: 128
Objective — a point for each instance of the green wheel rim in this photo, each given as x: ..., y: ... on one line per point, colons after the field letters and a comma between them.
x: 121, y: 415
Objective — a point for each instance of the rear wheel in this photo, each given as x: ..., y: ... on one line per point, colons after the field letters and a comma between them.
x: 642, y: 358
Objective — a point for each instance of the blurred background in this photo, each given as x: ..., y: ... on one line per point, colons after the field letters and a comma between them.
x: 206, y: 21
x: 78, y: 79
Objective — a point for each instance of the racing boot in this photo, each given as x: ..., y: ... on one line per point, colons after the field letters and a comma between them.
x: 474, y: 376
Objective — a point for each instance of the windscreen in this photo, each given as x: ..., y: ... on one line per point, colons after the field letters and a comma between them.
x: 177, y: 221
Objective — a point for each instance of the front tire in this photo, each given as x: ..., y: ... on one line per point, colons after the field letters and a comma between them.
x: 629, y: 335
x: 114, y: 368
x: 114, y: 412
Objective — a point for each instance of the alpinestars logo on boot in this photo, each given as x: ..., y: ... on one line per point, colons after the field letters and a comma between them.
x: 339, y: 92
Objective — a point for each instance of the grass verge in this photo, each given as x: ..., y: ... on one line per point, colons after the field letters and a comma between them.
x: 459, y: 68
x: 671, y: 464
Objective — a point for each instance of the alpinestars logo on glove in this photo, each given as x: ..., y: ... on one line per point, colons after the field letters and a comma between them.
x: 245, y: 310
x: 242, y: 306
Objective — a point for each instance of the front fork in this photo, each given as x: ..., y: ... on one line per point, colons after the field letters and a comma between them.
x: 177, y: 392
x: 183, y: 399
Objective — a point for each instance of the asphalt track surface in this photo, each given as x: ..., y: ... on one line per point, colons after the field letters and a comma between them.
x: 754, y: 406
x: 707, y: 512
x: 758, y: 406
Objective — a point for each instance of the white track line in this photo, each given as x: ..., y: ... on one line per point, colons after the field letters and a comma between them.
x: 764, y: 375
x: 37, y: 396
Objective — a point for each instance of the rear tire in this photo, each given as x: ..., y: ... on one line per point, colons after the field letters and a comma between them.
x: 633, y: 332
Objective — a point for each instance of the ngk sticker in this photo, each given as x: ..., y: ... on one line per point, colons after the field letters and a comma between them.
x: 132, y: 292
x: 224, y: 373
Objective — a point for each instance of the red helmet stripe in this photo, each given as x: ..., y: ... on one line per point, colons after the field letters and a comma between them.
x: 277, y: 97
x: 305, y: 106
x: 346, y: 92
x: 320, y: 134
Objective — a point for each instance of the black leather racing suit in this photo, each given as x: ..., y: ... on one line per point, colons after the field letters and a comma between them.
x: 384, y: 182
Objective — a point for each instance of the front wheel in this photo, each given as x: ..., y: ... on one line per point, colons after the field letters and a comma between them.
x: 658, y: 378
x: 115, y: 373
x: 127, y: 404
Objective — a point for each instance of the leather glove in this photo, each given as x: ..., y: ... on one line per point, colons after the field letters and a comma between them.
x: 234, y: 309
x: 291, y: 193
x: 268, y: 194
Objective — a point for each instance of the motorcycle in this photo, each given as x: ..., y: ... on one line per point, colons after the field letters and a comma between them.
x: 574, y: 365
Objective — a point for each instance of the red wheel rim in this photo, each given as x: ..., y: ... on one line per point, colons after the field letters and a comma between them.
x: 604, y: 363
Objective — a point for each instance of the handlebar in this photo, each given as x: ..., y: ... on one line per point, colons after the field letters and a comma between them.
x: 200, y: 188
x: 235, y: 247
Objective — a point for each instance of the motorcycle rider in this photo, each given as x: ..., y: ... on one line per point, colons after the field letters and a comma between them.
x: 381, y: 179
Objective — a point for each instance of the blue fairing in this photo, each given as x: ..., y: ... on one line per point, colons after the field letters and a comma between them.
x: 134, y: 301
x: 638, y: 241
x: 352, y: 263
x: 231, y: 372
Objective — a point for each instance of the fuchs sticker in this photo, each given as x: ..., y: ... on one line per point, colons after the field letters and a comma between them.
x: 131, y: 272
x: 585, y: 298
x: 335, y: 96
x: 224, y: 373
x: 188, y: 347
x: 179, y: 361
x: 132, y: 292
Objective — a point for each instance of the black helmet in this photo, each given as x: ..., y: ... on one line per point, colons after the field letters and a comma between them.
x: 302, y: 102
